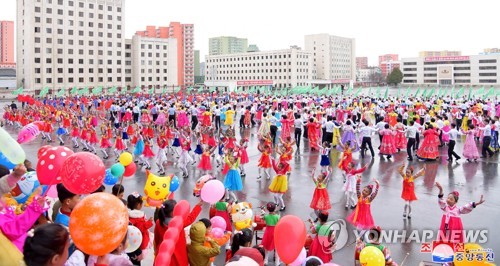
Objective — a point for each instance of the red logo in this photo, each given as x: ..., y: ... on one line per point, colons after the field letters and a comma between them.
x: 459, y: 247
x: 425, y: 248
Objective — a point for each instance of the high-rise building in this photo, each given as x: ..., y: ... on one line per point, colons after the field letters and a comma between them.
x: 7, y: 42
x: 184, y: 34
x: 154, y: 62
x: 334, y: 57
x: 227, y: 45
x: 253, y: 48
x: 68, y: 43
x: 439, y: 53
x: 387, y: 63
x: 361, y: 62
x: 197, y: 62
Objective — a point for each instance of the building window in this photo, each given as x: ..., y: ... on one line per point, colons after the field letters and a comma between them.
x: 461, y: 68
x: 49, y: 11
x: 60, y: 12
x: 81, y: 80
x: 48, y: 80
x: 430, y: 81
x: 430, y: 68
x: 81, y: 5
x: 410, y: 75
x: 462, y: 80
x: 70, y: 80
x: 110, y: 8
x: 38, y: 80
x: 48, y: 60
x: 487, y: 67
x: 110, y: 79
x: 461, y: 74
x: 59, y: 80
x: 487, y: 61
x: 37, y: 9
x: 487, y: 74
x: 410, y: 69
x: 487, y: 81
x: 428, y: 75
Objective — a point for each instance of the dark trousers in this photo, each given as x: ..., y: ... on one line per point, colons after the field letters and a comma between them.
x: 410, y: 146
x: 417, y: 142
x: 217, y: 121
x: 380, y: 138
x: 242, y: 121
x: 298, y: 132
x: 328, y: 137
x: 451, y: 150
x: 171, y: 119
x: 251, y: 119
x: 305, y: 133
x: 136, y: 117
x: 194, y: 122
x: 155, y: 116
x: 366, y: 141
x: 486, y: 146
x: 459, y: 123
x: 274, y: 130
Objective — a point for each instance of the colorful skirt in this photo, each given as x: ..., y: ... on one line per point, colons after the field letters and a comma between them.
x: 317, y: 249
x: 205, y: 163
x: 244, y: 157
x: 429, y: 148
x: 349, y: 136
x: 361, y: 217
x: 105, y: 143
x: 408, y: 193
x: 264, y: 161
x: 320, y: 200
x: 325, y: 160
x: 119, y: 145
x: 268, y: 238
x: 124, y: 135
x: 176, y: 143
x: 233, y: 181
x: 400, y: 140
x: 61, y: 131
x: 388, y: 146
x: 148, y: 153
x: 198, y: 149
x: 279, y: 184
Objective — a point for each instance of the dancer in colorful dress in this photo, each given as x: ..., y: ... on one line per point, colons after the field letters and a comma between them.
x: 325, y: 156
x: 279, y: 185
x: 388, y: 146
x: 271, y: 219
x: 361, y: 217
x: 232, y: 181
x: 470, y: 151
x: 320, y: 200
x: 451, y: 228
x: 205, y: 164
x: 313, y: 129
x: 265, y: 159
x: 161, y: 156
x: 147, y: 153
x: 408, y: 194
x: 350, y: 184
x: 429, y: 148
x: 104, y: 144
x: 242, y: 150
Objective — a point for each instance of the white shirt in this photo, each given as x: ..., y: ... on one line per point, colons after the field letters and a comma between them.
x: 411, y: 131
x: 367, y: 131
x: 486, y: 130
x: 453, y: 133
x: 329, y: 126
x: 380, y: 125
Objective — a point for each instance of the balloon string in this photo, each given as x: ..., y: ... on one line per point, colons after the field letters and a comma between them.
x: 120, y: 185
x: 50, y: 186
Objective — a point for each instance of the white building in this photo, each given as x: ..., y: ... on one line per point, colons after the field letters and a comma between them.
x: 68, y: 43
x: 452, y: 70
x: 281, y: 69
x: 334, y: 57
x: 154, y: 62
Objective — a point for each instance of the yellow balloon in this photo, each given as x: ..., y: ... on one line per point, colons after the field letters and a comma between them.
x: 10, y: 148
x: 471, y: 247
x: 126, y: 158
x: 371, y: 256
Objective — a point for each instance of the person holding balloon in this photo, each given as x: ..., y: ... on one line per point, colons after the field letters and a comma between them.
x: 117, y: 257
x: 318, y: 247
x: 372, y: 252
x: 215, y: 232
x: 271, y: 219
x: 68, y: 202
x: 8, y: 180
x: 138, y: 219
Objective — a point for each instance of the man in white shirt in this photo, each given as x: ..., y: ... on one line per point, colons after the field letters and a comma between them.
x: 453, y: 134
x: 366, y: 133
x: 411, y: 134
x: 380, y: 125
x: 486, y: 139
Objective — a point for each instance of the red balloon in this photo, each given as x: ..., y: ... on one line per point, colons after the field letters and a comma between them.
x: 83, y: 173
x: 171, y: 195
x: 49, y: 164
x: 176, y: 222
x: 182, y: 209
x: 165, y: 252
x: 130, y: 169
x: 289, y: 238
x: 172, y: 233
x: 42, y: 150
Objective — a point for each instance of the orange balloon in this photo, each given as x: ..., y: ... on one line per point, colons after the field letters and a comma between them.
x: 98, y: 224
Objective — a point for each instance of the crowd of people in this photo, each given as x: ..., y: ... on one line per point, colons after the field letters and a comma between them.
x: 200, y: 131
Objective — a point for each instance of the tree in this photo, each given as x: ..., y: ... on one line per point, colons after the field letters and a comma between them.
x: 395, y: 77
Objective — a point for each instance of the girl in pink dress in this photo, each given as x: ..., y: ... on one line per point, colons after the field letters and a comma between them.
x: 362, y: 215
x: 451, y: 228
x: 147, y: 153
x: 286, y: 124
x: 470, y: 151
x: 182, y: 119
x: 388, y: 146
x: 400, y: 138
x: 205, y: 164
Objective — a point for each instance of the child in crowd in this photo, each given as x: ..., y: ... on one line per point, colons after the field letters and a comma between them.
x: 138, y: 219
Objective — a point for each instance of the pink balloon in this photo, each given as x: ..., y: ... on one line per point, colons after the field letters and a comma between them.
x: 83, y: 173
x: 218, y: 222
x: 212, y: 191
x: 300, y: 259
x: 217, y: 232
x: 50, y: 163
x: 52, y: 192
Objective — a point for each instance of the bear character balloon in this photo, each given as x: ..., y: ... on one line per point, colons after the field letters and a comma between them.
x: 156, y: 189
x: 242, y: 215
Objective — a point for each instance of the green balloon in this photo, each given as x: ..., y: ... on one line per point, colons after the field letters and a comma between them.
x: 117, y: 170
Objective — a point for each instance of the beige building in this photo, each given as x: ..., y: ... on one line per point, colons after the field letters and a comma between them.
x: 70, y: 43
x: 227, y: 45
x: 439, y: 53
x: 334, y: 57
x: 281, y: 69
x: 153, y: 62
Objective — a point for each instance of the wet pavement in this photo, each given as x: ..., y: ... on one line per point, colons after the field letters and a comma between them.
x: 470, y: 179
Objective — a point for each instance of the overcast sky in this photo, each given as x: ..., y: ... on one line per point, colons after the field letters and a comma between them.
x: 379, y: 27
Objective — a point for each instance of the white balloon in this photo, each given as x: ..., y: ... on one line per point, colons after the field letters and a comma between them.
x: 134, y: 239
x: 10, y: 148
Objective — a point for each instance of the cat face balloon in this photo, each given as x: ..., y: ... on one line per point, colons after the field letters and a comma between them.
x: 156, y: 189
